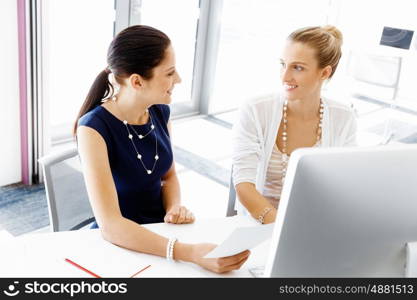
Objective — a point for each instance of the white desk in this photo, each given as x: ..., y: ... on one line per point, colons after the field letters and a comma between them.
x: 43, y: 254
x: 5, y: 235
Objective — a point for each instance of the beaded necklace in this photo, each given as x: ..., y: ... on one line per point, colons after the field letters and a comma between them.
x: 285, y: 156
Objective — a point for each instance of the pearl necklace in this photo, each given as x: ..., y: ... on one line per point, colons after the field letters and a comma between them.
x: 285, y: 156
x: 140, y: 137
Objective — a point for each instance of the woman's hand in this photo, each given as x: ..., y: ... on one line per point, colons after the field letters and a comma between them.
x: 218, y: 265
x: 179, y: 214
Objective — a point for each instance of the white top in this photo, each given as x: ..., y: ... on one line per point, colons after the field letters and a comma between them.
x: 254, y: 135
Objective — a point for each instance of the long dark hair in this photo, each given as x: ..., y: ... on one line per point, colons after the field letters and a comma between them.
x: 135, y: 50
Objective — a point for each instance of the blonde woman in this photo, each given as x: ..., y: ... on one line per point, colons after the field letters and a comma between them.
x: 270, y: 128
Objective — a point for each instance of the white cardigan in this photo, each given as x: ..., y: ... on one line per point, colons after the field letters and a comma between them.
x: 254, y: 135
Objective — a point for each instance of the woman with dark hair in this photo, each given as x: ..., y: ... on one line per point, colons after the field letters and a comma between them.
x: 124, y: 143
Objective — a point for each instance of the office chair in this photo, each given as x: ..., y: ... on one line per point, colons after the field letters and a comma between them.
x: 375, y: 70
x: 231, y: 211
x: 381, y: 72
x: 68, y: 204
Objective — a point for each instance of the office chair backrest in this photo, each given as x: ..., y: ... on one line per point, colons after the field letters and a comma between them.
x: 377, y: 70
x: 69, y: 207
x: 231, y: 211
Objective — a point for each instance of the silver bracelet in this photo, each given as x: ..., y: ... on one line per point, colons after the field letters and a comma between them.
x: 261, y: 217
x: 170, y: 249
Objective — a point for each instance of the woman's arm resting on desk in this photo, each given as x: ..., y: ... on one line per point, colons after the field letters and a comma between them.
x: 254, y: 202
x: 124, y: 232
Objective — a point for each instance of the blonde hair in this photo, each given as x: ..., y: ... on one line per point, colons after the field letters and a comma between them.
x: 326, y: 40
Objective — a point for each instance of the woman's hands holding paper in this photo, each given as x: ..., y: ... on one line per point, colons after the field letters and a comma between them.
x: 221, y: 264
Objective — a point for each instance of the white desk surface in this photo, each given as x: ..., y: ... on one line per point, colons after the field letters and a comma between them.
x: 43, y: 254
x: 4, y: 234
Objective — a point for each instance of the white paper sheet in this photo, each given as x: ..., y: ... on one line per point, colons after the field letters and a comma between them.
x: 242, y: 239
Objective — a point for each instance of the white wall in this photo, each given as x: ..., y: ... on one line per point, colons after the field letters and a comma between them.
x: 10, y: 162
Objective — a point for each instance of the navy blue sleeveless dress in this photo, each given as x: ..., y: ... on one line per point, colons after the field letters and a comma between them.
x: 139, y: 193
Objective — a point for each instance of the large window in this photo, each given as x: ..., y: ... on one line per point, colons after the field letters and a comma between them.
x: 252, y: 34
x: 178, y: 19
x: 239, y: 40
x: 76, y: 35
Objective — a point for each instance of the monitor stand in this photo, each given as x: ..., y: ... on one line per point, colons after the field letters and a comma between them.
x: 411, y: 262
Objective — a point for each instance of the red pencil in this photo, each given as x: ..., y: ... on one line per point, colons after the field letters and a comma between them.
x: 82, y: 268
x: 140, y: 271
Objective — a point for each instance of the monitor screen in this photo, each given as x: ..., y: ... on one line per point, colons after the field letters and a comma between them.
x: 395, y: 37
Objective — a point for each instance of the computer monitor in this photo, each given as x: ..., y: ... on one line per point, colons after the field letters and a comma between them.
x: 346, y: 212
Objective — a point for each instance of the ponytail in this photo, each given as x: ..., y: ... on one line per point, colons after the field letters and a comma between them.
x: 137, y: 49
x: 100, y: 89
